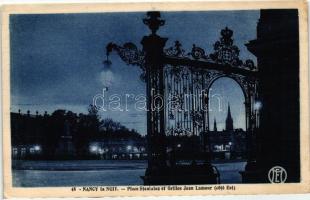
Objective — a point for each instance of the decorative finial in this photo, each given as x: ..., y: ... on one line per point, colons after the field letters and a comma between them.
x: 226, y: 36
x: 226, y: 32
x: 153, y: 21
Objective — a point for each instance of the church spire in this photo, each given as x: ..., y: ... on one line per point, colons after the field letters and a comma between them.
x: 214, y: 126
x: 228, y: 112
x: 229, y: 120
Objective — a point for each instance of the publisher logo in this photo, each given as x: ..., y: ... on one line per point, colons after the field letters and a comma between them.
x: 277, y: 174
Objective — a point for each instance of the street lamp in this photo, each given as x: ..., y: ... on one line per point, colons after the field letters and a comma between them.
x: 93, y: 148
x: 129, y: 148
x: 37, y: 148
x: 258, y: 105
x: 107, y: 75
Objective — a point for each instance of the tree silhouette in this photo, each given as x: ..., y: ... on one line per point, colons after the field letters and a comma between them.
x: 47, y: 130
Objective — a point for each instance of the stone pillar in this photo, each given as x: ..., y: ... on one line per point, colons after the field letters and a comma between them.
x: 153, y: 47
x: 277, y: 51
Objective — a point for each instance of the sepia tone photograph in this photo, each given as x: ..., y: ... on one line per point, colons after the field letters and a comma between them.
x: 189, y: 99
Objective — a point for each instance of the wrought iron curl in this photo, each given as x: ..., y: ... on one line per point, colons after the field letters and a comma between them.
x: 198, y: 53
x: 225, y: 52
x: 130, y: 54
x: 197, y: 117
x: 175, y: 50
x: 249, y: 64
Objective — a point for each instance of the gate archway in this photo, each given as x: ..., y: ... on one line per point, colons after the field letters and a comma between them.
x: 227, y: 115
x: 177, y: 88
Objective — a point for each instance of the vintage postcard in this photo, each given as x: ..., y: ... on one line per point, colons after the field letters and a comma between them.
x: 150, y: 99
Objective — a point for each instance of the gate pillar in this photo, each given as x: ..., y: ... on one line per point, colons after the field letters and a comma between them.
x: 153, y: 46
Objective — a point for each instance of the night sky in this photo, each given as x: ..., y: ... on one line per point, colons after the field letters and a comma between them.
x: 56, y: 59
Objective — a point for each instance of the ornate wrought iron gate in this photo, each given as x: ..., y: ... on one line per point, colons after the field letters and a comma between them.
x: 177, y: 87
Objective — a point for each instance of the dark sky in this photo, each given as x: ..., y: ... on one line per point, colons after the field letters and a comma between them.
x: 56, y: 59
